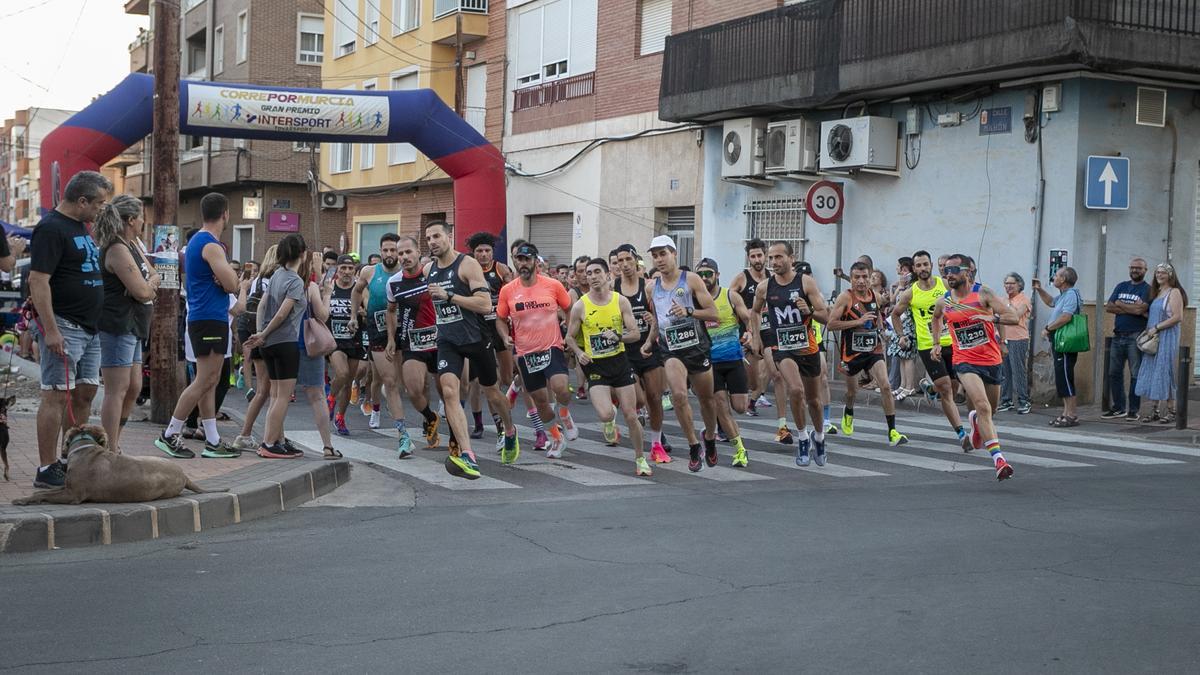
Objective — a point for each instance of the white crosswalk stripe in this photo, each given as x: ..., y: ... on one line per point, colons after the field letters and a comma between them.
x: 1015, y: 457
x: 715, y: 473
x: 786, y: 461
x: 427, y: 470
x: 532, y: 460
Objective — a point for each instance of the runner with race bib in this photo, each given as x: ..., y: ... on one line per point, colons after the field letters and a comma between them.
x: 347, y: 357
x: 411, y: 324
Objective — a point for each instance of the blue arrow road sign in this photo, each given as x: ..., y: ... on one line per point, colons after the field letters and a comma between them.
x: 1107, y: 183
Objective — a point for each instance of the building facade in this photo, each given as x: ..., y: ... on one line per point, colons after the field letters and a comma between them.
x: 20, y: 148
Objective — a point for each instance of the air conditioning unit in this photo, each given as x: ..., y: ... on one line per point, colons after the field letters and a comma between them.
x: 859, y: 143
x: 331, y: 200
x: 791, y: 147
x: 742, y: 147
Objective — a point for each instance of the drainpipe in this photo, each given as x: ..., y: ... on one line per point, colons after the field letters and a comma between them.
x: 1171, y: 186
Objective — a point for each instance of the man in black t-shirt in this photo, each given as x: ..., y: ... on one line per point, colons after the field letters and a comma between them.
x: 68, y: 294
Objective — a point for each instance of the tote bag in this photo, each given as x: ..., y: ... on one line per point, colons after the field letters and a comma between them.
x: 318, y: 341
x: 1073, y: 337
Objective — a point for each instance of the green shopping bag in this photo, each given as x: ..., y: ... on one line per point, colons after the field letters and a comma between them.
x: 1073, y: 338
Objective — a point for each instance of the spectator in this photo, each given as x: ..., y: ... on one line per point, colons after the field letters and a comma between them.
x: 130, y: 286
x: 259, y: 392
x: 311, y: 375
x: 68, y: 293
x: 1013, y: 371
x: 11, y: 248
x: 279, y: 315
x: 1130, y: 303
x: 1156, y: 375
x: 1067, y: 304
x: 902, y: 364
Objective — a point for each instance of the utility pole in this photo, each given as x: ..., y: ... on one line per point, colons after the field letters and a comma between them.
x: 164, y: 331
x: 458, y: 63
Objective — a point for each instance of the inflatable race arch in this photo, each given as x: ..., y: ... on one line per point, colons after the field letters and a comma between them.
x: 124, y: 116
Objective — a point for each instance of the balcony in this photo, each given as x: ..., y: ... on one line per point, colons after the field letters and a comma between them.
x: 554, y: 92
x: 474, y: 14
x: 826, y: 52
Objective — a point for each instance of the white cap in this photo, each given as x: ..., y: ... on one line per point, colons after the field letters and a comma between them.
x: 662, y: 241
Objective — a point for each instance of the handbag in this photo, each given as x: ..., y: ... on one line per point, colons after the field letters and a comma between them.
x: 318, y: 340
x: 1073, y: 338
x: 1147, y: 343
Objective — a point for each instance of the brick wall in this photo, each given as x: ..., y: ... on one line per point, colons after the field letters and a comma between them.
x: 412, y: 206
x: 492, y: 50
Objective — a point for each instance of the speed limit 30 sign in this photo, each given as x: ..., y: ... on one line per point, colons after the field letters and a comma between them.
x: 824, y: 202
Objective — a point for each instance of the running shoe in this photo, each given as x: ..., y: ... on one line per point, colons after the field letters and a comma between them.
x: 53, y: 476
x: 1004, y: 470
x: 694, y: 462
x: 430, y: 429
x: 477, y: 433
x: 469, y: 457
x: 751, y: 409
x: 374, y: 421
x: 287, y: 445
x: 332, y: 403
x: 512, y: 393
x: 710, y: 452
x: 641, y: 468
x: 818, y: 450
x: 1025, y: 409
x: 404, y: 447
x: 896, y: 438
x: 512, y: 450
x: 739, y: 456
x: 277, y: 451
x: 658, y: 455
x: 354, y: 394
x: 555, y: 450
x: 667, y: 404
x: 499, y: 444
x: 611, y: 433
x: 666, y: 444
x: 976, y: 437
x: 568, y: 424
x: 250, y: 394
x: 173, y: 446
x: 848, y: 425
x: 366, y: 408
x: 831, y: 428
x: 783, y: 436
x: 540, y: 441
x: 1005, y: 406
x: 763, y: 401
x: 246, y: 443
x: 802, y: 452
x: 927, y: 389
x: 219, y: 451
x: 643, y: 417
x: 339, y: 425
x: 581, y: 394
x: 460, y: 467
x: 965, y: 441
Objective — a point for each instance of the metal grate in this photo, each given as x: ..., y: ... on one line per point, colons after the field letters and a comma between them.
x: 777, y: 220
x: 554, y: 92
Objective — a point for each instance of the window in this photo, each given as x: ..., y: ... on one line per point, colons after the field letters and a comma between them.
x: 681, y: 226
x: 196, y: 55
x: 406, y: 15
x: 192, y: 148
x: 344, y: 28
x: 243, y: 242
x: 656, y: 26
x: 311, y: 43
x: 371, y: 20
x: 402, y: 153
x: 475, y: 105
x: 366, y: 153
x: 554, y: 40
x: 305, y: 146
x: 243, y: 35
x: 369, y: 234
x: 218, y: 50
x: 340, y: 157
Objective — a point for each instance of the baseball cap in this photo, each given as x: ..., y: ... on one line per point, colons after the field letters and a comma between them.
x: 662, y: 241
x: 346, y: 259
x: 709, y: 263
x: 526, y: 250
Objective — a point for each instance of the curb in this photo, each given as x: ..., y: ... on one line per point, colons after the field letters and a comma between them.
x: 105, y: 524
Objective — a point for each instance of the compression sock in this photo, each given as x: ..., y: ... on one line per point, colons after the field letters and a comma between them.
x: 891, y: 420
x: 428, y: 414
x: 375, y: 407
x: 478, y: 416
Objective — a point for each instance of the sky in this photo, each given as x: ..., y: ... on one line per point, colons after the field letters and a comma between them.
x: 62, y: 53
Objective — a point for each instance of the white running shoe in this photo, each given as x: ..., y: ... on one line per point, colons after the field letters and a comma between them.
x: 763, y: 401
x: 569, y: 427
x: 555, y: 449
x: 245, y: 443
x: 374, y: 421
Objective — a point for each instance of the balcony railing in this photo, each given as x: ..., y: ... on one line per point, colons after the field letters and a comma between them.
x: 554, y: 92
x: 443, y: 7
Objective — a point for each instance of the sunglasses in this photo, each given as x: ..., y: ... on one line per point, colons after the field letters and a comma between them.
x: 706, y: 274
x: 952, y: 269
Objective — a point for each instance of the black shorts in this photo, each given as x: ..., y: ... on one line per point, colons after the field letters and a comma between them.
x: 809, y: 364
x: 491, y: 335
x: 283, y: 360
x: 694, y: 359
x: 989, y: 374
x: 353, y: 349
x: 378, y: 341
x: 938, y: 370
x: 610, y: 371
x: 861, y: 363
x: 208, y: 337
x: 479, y: 354
x: 546, y: 365
x: 429, y: 358
x: 643, y: 364
x: 244, y: 334
x: 730, y: 376
x: 1064, y: 374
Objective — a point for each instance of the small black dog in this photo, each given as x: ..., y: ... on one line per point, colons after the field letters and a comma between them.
x: 4, y: 404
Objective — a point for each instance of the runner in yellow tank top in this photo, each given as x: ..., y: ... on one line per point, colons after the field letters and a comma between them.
x: 921, y: 297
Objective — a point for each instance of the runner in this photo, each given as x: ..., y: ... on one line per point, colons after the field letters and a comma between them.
x: 644, y: 357
x: 460, y: 299
x: 793, y: 302
x: 971, y: 312
x: 922, y: 298
x: 728, y: 369
x: 745, y: 285
x: 416, y: 331
x: 347, y: 358
x: 533, y: 303
x: 373, y: 280
x: 679, y: 303
x: 857, y: 313
x: 577, y: 291
x: 482, y: 245
x: 603, y: 321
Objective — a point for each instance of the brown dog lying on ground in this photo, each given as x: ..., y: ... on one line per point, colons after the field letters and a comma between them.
x: 97, y: 474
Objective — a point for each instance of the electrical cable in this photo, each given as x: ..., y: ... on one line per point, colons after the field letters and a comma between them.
x: 595, y: 143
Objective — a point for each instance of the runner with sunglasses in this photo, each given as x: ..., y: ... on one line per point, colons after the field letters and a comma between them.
x: 729, y: 370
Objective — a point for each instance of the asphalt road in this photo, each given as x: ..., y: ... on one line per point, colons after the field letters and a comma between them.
x: 1088, y: 566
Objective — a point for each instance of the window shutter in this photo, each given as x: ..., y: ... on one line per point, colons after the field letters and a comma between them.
x: 556, y: 33
x: 552, y: 233
x: 656, y: 25
x: 529, y: 43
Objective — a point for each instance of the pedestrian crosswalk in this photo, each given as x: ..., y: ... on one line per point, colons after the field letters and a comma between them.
x: 589, y: 463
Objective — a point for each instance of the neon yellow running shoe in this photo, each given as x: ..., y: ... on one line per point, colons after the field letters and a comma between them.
x: 611, y: 433
x: 511, y: 450
x: 739, y: 456
x: 848, y: 425
x: 458, y: 466
x: 641, y: 468
x: 896, y: 438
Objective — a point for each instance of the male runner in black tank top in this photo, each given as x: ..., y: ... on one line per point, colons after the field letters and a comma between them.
x: 412, y: 324
x: 745, y: 285
x: 643, y: 355
x: 460, y: 299
x: 482, y: 245
x: 346, y: 358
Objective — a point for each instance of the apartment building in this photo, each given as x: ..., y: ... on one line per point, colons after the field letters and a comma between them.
x: 20, y: 175
x: 266, y: 42
x: 398, y: 45
x: 593, y: 166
